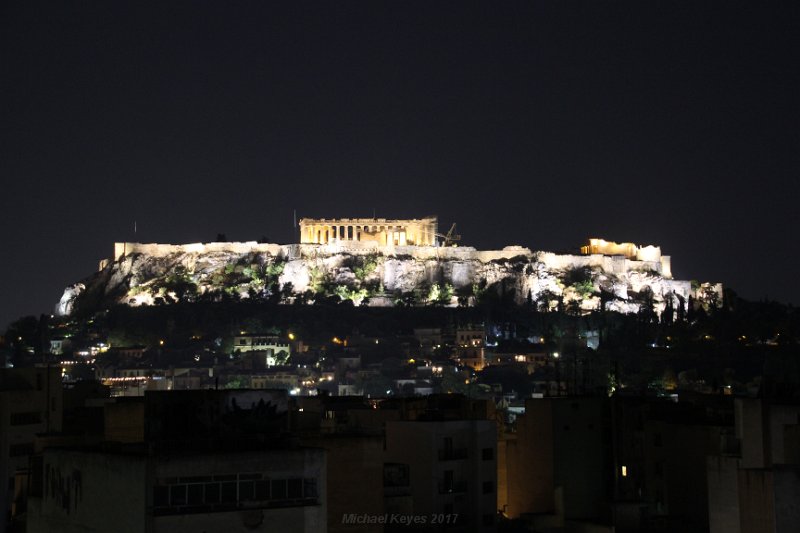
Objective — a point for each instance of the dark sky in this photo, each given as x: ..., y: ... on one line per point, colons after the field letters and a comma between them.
x: 532, y: 123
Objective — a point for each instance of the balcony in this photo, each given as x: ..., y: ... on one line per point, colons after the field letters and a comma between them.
x: 453, y: 454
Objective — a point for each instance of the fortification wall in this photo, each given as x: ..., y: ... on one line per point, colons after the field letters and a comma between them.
x: 508, y: 252
x: 616, y: 264
x: 649, y: 253
x: 296, y: 251
x: 421, y: 253
x: 122, y: 249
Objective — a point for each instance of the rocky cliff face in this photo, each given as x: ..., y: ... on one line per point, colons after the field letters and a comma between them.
x: 376, y: 278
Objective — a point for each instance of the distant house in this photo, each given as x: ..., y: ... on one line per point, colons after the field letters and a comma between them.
x: 276, y: 351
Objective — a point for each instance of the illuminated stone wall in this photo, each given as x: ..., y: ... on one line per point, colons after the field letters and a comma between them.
x: 122, y: 249
x: 627, y: 249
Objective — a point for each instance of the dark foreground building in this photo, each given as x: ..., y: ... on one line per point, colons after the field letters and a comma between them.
x: 212, y: 461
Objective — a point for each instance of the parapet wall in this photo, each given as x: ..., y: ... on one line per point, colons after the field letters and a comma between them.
x: 122, y: 249
x: 616, y: 264
x: 465, y: 253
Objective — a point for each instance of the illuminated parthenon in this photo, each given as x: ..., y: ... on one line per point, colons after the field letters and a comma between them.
x: 385, y: 232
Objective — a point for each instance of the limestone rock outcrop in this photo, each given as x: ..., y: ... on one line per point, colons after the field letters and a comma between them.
x: 381, y: 276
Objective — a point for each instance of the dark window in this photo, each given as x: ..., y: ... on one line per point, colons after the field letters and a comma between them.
x: 310, y: 488
x: 488, y: 487
x: 487, y: 454
x: 17, y: 450
x: 25, y: 419
x: 160, y: 496
x: 488, y: 519
x: 447, y: 482
x: 295, y: 488
x: 195, y: 494
x: 246, y: 490
x: 211, y: 493
x: 395, y: 475
x: 278, y: 489
x: 262, y: 490
x: 177, y: 495
x: 228, y: 490
x: 657, y: 440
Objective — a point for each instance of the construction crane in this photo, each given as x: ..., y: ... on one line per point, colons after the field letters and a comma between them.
x: 451, y: 238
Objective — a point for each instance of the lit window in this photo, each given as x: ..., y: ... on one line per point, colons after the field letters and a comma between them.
x: 624, y: 470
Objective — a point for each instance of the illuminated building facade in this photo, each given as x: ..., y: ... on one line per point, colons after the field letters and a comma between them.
x: 273, y: 348
x: 632, y: 252
x: 386, y: 232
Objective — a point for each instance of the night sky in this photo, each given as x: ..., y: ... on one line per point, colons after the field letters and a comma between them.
x: 531, y: 123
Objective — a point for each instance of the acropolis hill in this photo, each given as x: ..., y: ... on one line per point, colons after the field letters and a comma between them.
x: 388, y: 262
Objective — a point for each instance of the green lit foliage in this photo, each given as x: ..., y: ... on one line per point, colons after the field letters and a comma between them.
x: 177, y: 286
x: 434, y: 293
x: 271, y: 274
x: 580, y: 280
x: 354, y: 295
x: 274, y: 269
x: 584, y: 288
x: 137, y: 290
x: 247, y: 275
x: 439, y: 294
x: 318, y: 280
x: 360, y: 289
x: 364, y: 265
